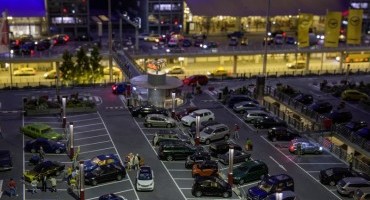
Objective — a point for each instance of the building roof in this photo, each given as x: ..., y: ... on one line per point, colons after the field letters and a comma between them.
x: 244, y: 8
x: 22, y: 8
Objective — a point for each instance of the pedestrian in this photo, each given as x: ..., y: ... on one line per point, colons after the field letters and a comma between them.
x: 236, y: 131
x: 350, y: 161
x: 141, y: 161
x: 12, y: 185
x: 53, y: 182
x: 41, y: 154
x: 43, y: 181
x: 136, y: 162
x: 131, y: 161
x: 34, y: 184
x: 248, y: 145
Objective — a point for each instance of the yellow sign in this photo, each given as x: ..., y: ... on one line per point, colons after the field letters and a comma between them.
x: 332, y: 29
x: 354, y: 26
x: 304, y: 24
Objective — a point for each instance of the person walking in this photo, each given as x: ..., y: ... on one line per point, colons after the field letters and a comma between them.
x: 41, y: 154
x: 248, y: 145
x: 12, y: 185
x: 136, y: 162
x: 130, y: 161
x: 44, y: 184
x: 34, y: 184
x: 236, y: 131
x: 53, y: 182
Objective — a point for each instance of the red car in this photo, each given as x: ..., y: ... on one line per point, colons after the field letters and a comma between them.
x: 201, y: 79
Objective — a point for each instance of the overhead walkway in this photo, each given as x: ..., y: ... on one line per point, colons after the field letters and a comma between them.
x: 126, y: 63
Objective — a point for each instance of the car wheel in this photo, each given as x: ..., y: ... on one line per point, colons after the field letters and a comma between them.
x: 140, y: 116
x: 332, y: 183
x: 226, y: 195
x: 57, y: 151
x: 208, y: 141
x: 241, y: 182
x: 94, y: 183
x: 169, y: 158
x: 198, y: 194
x: 33, y: 150
x: 226, y: 137
x: 149, y: 125
x: 169, y: 125
x: 119, y: 177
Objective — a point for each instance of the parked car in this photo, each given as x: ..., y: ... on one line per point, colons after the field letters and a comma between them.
x: 204, y: 115
x: 243, y: 106
x: 239, y: 156
x: 362, y: 194
x: 175, y: 151
x: 218, y: 72
x: 205, y: 168
x: 121, y: 88
x: 279, y: 39
x: 145, y: 179
x: 46, y: 168
x: 282, y: 195
x: 209, y: 45
x: 269, y: 122
x: 43, y: 44
x: 111, y: 196
x: 48, y: 146
x: 105, y: 173
x: 307, y: 147
x: 211, y: 186
x: 249, y: 171
x: 203, y: 125
x: 5, y: 160
x: 169, y: 135
x: 332, y: 175
x: 364, y: 133
x: 290, y: 40
x: 175, y: 49
x: 281, y: 134
x: 339, y: 116
x: 214, y: 132
x: 300, y: 64
x: 353, y: 95
x: 187, y: 43
x: 222, y: 147
x: 40, y: 130
x: 305, y: 99
x: 270, y: 185
x: 52, y: 74
x: 153, y: 38
x: 252, y: 115
x: 60, y: 39
x: 100, y: 160
x: 233, y: 41
x: 197, y: 157
x: 268, y: 41
x: 175, y: 70
x: 26, y: 71
x: 321, y: 107
x: 355, y: 125
x: 185, y: 111
x: 230, y: 101
x: 237, y: 34
x: 159, y: 120
x: 142, y: 111
x: 201, y: 79
x: 244, y: 41
x: 348, y: 186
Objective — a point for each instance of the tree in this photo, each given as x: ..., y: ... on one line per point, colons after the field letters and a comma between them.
x: 67, y: 67
x: 82, y: 66
x: 96, y: 68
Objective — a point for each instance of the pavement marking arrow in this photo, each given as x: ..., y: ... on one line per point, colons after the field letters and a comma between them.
x: 280, y: 165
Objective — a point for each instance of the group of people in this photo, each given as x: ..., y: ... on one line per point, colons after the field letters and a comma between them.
x: 134, y: 161
x: 44, y: 179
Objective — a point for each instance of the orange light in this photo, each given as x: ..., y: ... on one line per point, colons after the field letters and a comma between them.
x: 152, y: 66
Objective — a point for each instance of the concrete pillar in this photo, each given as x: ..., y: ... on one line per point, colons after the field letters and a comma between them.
x: 185, y: 62
x: 307, y: 63
x: 238, y: 24
x: 222, y: 60
x: 235, y: 62
x: 342, y: 58
x: 260, y: 86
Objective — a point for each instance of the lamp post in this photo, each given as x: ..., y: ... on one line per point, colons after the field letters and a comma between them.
x: 347, y: 73
x: 82, y: 181
x: 231, y: 162
x: 197, y: 136
x: 266, y: 36
x: 71, y: 140
x: 110, y: 41
x: 173, y: 104
x: 64, y: 122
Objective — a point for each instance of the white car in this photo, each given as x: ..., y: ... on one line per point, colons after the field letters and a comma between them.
x: 204, y: 115
x: 145, y: 179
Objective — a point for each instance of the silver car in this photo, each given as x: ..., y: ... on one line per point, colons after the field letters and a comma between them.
x: 159, y: 120
x: 242, y: 107
x: 253, y: 115
x: 215, y: 132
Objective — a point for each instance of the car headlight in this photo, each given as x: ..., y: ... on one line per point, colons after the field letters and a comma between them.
x: 320, y: 148
x: 208, y: 73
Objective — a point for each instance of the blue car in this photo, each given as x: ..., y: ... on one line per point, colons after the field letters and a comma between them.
x: 121, y: 88
x: 100, y: 160
x: 270, y: 185
x: 364, y: 133
x: 111, y: 197
x: 48, y: 146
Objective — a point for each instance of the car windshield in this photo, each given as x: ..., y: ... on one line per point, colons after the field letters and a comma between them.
x: 266, y: 185
x: 208, y: 130
x: 329, y: 172
x: 194, y: 115
x: 145, y: 176
x: 46, y: 130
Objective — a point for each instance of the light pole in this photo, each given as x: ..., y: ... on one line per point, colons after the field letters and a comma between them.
x: 347, y: 73
x: 266, y: 36
x: 110, y: 41
x: 197, y: 136
x: 64, y: 122
x: 71, y: 140
x: 173, y: 104
x: 82, y: 181
x: 231, y: 162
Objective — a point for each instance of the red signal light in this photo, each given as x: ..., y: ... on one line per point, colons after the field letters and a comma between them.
x: 65, y: 10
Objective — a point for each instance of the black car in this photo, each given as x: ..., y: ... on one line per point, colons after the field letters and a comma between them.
x: 203, y: 125
x: 176, y: 151
x: 49, y: 146
x: 209, y: 45
x: 321, y: 107
x: 111, y: 197
x: 238, y: 34
x: 198, y: 41
x: 281, y: 134
x: 269, y: 122
x: 234, y: 99
x: 5, y: 160
x: 43, y: 44
x: 105, y: 173
x: 222, y: 147
x: 211, y: 186
x: 331, y: 176
x: 197, y: 157
x: 305, y: 99
x: 355, y: 125
x: 238, y: 157
x: 186, y: 43
x: 142, y: 111
x: 339, y: 116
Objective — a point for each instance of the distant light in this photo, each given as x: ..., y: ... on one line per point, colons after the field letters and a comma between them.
x: 345, y: 22
x: 11, y: 51
x: 73, y: 11
x: 269, y: 33
x: 290, y: 16
x: 337, y: 58
x: 168, y: 50
x: 134, y: 88
x: 9, y: 18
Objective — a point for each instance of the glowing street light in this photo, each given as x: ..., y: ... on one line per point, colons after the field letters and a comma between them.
x: 82, y: 181
x: 197, y: 136
x: 231, y: 162
x: 64, y: 122
x: 173, y: 104
x: 71, y: 140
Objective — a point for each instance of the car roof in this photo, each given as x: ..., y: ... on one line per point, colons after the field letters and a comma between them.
x: 217, y: 126
x: 281, y: 177
x: 157, y: 115
x: 39, y: 126
x: 355, y: 179
x: 201, y: 111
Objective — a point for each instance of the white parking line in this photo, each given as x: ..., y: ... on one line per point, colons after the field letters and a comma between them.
x: 99, y: 129
x: 84, y: 138
x: 179, y: 170
x: 87, y: 125
x: 319, y: 163
x: 26, y: 161
x: 184, y: 179
x: 81, y: 145
x: 82, y: 120
x: 42, y: 122
x: 109, y: 183
x: 313, y: 171
x: 80, y: 115
x: 96, y: 150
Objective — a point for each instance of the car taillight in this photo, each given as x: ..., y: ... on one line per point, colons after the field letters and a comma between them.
x: 114, y: 87
x: 291, y: 148
x: 55, y: 41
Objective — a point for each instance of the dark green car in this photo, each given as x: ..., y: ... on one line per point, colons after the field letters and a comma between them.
x: 38, y: 130
x: 249, y: 171
x: 169, y: 136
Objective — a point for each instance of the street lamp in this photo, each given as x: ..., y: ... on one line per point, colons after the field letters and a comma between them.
x: 231, y: 161
x: 197, y: 136
x: 71, y: 140
x: 173, y: 104
x: 82, y: 181
x: 64, y: 122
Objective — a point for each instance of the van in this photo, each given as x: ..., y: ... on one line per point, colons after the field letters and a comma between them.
x: 348, y: 186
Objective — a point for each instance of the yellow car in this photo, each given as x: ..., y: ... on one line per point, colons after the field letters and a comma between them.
x: 52, y: 74
x: 354, y: 95
x: 218, y: 72
x: 47, y: 168
x: 115, y: 70
x: 27, y: 71
x: 175, y: 70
